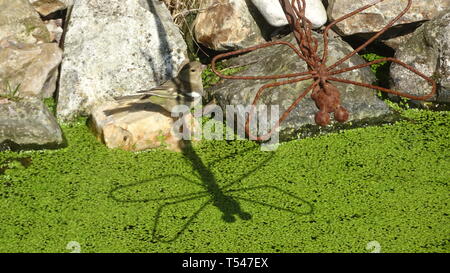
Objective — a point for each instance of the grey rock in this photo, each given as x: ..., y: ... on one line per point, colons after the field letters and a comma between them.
x: 115, y: 48
x: 373, y: 19
x: 20, y: 22
x: 27, y: 123
x: 362, y: 103
x: 428, y: 50
x: 32, y: 67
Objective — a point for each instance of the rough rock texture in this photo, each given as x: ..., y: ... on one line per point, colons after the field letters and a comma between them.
x: 49, y: 88
x: 20, y: 22
x: 274, y: 14
x: 362, y: 103
x: 376, y: 17
x: 428, y: 51
x: 116, y: 47
x: 135, y: 126
x: 226, y: 25
x: 67, y: 3
x: 31, y: 66
x: 55, y: 29
x: 46, y: 7
x: 27, y: 123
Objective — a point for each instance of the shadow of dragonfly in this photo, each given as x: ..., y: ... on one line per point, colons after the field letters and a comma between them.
x: 210, y: 186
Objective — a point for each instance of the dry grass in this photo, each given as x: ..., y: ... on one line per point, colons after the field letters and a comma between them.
x: 184, y: 13
x: 181, y: 8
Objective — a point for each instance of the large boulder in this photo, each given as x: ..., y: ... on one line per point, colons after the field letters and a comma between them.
x: 113, y: 48
x: 31, y: 68
x: 20, y: 22
x: 362, y: 103
x: 27, y: 123
x: 226, y: 25
x: 274, y: 14
x: 376, y: 17
x: 428, y: 50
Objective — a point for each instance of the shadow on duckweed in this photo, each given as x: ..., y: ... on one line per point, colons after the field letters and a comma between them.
x: 11, y: 163
x: 226, y: 198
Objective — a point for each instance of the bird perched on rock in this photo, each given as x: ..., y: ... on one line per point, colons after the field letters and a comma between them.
x: 185, y: 89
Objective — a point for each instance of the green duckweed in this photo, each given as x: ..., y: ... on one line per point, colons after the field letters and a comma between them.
x: 332, y: 193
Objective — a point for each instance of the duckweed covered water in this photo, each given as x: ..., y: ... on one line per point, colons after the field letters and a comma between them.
x: 333, y: 193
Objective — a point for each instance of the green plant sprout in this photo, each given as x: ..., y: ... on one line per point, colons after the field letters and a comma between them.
x: 381, y: 71
x: 10, y: 93
x: 372, y: 57
x: 209, y: 78
x: 51, y: 104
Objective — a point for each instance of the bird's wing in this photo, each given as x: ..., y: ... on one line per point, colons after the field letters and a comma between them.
x: 162, y: 87
x: 164, y: 93
x: 131, y: 97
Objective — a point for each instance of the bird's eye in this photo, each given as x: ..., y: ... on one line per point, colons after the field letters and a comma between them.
x: 192, y: 70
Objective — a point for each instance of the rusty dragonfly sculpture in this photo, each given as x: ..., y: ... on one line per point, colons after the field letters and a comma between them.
x: 325, y: 95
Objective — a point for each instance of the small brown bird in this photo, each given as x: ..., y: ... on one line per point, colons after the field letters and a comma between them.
x: 185, y: 89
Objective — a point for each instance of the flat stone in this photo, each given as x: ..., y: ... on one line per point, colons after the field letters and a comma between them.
x: 67, y: 3
x: 46, y: 7
x: 375, y: 18
x: 135, y: 125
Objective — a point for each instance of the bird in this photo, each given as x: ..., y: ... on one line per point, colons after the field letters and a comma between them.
x: 185, y: 89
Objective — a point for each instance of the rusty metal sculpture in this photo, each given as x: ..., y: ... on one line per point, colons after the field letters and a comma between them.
x: 325, y: 95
